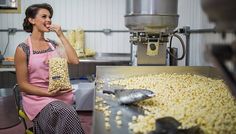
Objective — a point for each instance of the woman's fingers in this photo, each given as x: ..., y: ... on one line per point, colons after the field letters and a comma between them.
x: 53, y: 93
x: 60, y: 92
x: 56, y: 28
x: 65, y: 91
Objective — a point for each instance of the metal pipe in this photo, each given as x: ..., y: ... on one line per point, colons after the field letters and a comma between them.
x: 187, y: 50
x: 187, y: 37
x: 131, y: 54
x: 192, y: 31
x: 3, y: 30
x: 94, y: 31
x: 173, y: 61
x: 198, y: 31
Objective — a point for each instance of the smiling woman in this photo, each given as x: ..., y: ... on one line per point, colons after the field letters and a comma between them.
x: 38, y: 13
x: 48, y: 110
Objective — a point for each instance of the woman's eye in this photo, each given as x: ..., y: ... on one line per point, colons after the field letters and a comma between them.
x: 46, y: 16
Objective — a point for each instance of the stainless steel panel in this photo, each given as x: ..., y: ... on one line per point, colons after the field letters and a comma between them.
x: 7, y: 77
x: 144, y: 7
x: 107, y: 57
x: 151, y: 15
x: 143, y: 58
x: 8, y: 109
x: 107, y: 73
x: 87, y: 65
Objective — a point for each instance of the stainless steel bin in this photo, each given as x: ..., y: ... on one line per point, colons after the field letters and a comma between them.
x: 8, y: 109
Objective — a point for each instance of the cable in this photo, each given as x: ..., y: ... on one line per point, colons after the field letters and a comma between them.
x: 172, y: 38
x: 8, y: 38
x: 182, y: 44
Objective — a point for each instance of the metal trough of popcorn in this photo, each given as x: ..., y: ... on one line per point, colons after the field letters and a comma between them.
x: 106, y: 122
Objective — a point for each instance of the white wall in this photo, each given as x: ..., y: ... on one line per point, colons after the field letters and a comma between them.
x: 190, y: 15
x: 72, y: 14
x: 102, y: 14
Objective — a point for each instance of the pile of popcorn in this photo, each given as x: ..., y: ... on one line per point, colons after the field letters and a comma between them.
x: 191, y: 99
x: 58, y: 74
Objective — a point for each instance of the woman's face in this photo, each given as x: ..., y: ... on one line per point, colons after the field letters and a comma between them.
x: 42, y: 20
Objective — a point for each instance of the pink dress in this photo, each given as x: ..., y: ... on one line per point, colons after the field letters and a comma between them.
x: 38, y: 76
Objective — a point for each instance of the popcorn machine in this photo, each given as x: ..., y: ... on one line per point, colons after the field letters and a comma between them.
x: 150, y: 22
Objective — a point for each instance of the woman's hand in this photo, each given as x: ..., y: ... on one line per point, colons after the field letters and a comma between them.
x: 69, y: 50
x: 59, y: 92
x: 57, y: 29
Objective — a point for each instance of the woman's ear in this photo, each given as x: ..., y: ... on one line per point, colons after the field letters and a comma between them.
x: 31, y: 20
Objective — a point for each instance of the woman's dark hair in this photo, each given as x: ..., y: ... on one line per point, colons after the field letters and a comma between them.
x: 31, y: 12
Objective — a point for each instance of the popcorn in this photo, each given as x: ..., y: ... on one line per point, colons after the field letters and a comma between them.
x: 107, y: 126
x: 191, y: 99
x: 119, y: 113
x: 58, y: 74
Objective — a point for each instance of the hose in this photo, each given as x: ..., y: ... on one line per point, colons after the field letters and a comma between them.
x: 8, y: 38
x: 182, y: 44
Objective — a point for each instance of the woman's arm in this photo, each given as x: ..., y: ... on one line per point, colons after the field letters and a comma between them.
x: 70, y: 52
x: 22, y: 75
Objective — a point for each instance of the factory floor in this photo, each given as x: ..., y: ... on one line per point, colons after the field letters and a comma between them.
x: 85, y: 117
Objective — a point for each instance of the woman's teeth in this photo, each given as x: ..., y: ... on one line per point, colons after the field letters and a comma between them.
x: 47, y: 26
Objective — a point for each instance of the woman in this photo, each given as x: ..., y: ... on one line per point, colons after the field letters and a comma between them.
x: 50, y: 112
